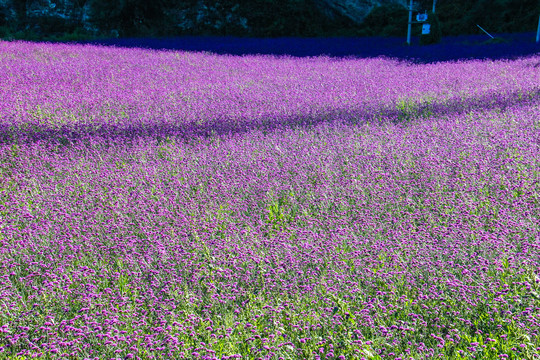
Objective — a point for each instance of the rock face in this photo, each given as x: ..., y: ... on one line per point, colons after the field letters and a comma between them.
x: 7, y: 11
x: 207, y: 13
x: 355, y: 10
x: 73, y: 11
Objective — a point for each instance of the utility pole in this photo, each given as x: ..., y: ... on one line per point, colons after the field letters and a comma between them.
x: 410, y: 24
x: 434, y: 3
x: 538, y: 31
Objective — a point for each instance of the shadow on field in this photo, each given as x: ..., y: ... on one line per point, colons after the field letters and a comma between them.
x: 450, y: 49
x: 400, y: 114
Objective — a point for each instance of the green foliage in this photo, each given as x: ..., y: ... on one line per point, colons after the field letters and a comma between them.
x: 504, y: 15
x: 4, y: 16
x: 20, y: 7
x: 75, y: 35
x: 435, y: 34
x: 281, y: 212
x: 386, y: 20
x: 53, y: 25
x: 5, y: 32
x: 288, y: 18
x: 129, y: 17
x: 496, y: 16
x: 265, y: 18
x: 496, y: 41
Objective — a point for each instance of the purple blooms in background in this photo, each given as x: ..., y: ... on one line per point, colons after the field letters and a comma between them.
x: 167, y: 204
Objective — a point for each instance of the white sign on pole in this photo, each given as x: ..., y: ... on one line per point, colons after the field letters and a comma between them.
x: 425, y: 29
x: 421, y: 17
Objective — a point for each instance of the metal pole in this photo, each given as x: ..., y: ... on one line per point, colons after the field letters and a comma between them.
x: 409, y: 26
x: 434, y: 3
x: 538, y: 31
x: 481, y: 28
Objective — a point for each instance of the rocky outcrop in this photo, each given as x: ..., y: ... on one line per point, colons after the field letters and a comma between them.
x: 72, y: 11
x: 7, y: 11
x: 354, y: 10
x: 207, y: 14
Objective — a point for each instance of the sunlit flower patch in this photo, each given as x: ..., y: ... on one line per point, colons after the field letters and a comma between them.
x: 165, y: 204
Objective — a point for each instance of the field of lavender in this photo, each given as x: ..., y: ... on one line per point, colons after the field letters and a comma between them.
x: 189, y: 205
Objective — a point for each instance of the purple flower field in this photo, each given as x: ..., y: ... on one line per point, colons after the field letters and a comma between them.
x: 182, y: 205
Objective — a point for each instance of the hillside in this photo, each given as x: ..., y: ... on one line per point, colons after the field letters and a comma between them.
x: 255, y: 18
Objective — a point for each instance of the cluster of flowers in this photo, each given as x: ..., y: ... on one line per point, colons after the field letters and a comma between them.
x: 90, y: 90
x: 161, y: 204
